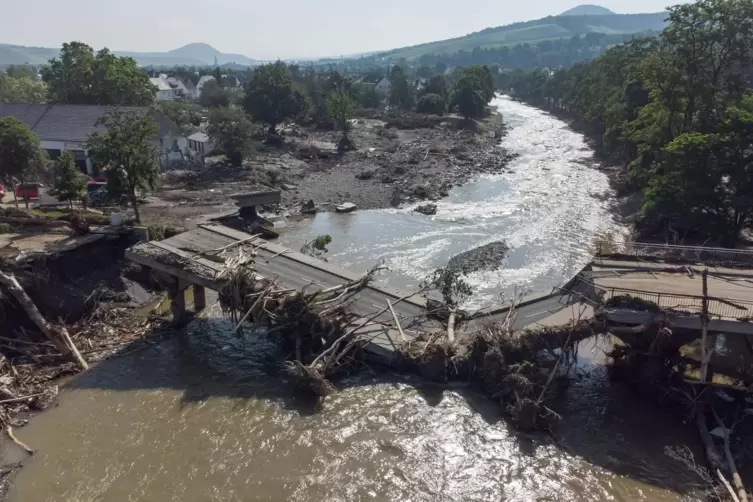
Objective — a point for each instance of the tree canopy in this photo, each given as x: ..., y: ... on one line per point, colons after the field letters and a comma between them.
x: 678, y: 110
x: 70, y: 182
x: 186, y: 115
x: 213, y: 95
x: 22, y: 90
x: 469, y: 96
x: 272, y: 97
x: 401, y: 90
x: 232, y: 132
x: 126, y: 148
x: 79, y: 76
x: 433, y: 104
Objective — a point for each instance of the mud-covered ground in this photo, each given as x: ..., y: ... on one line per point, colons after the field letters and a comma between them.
x: 392, y: 164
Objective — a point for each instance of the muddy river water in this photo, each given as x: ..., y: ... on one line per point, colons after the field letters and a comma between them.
x: 205, y: 416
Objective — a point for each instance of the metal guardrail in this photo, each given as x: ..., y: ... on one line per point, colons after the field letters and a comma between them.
x: 718, y: 307
x: 724, y: 308
x: 697, y: 254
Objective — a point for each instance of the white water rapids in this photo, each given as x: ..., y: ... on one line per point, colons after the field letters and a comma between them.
x: 550, y: 205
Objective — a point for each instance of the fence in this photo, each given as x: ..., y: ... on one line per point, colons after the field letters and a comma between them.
x: 696, y: 254
x: 721, y: 308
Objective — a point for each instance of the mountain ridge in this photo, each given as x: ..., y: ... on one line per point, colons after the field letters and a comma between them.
x: 532, y: 32
x: 588, y: 10
x: 193, y: 54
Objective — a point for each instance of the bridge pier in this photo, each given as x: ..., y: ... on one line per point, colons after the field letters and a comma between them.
x: 177, y: 294
x: 199, y: 298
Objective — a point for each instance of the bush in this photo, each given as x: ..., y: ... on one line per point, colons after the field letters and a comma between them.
x: 433, y: 104
x: 5, y: 228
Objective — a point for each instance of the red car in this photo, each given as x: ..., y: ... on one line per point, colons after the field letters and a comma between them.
x: 28, y: 190
x: 2, y: 191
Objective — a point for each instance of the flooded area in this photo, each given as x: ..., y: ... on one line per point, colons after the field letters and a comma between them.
x: 550, y: 208
x: 207, y: 416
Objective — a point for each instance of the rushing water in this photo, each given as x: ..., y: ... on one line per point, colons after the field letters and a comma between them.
x: 206, y: 416
x: 550, y: 208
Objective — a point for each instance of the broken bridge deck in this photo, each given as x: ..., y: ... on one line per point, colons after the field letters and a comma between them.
x: 180, y: 256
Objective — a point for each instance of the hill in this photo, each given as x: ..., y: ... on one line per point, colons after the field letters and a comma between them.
x: 192, y: 54
x: 588, y: 10
x: 532, y: 32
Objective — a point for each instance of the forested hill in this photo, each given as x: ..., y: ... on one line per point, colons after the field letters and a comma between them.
x: 533, y: 32
x: 678, y: 109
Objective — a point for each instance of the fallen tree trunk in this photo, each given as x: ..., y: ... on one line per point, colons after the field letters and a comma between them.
x: 57, y: 335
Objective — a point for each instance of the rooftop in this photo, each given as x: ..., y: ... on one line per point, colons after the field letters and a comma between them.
x: 73, y: 123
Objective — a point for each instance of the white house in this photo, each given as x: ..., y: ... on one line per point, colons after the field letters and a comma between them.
x: 183, y: 90
x: 200, y: 143
x: 164, y: 91
x: 202, y: 81
x: 67, y: 127
x: 383, y: 86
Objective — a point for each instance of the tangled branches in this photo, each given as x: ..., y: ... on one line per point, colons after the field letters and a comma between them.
x: 517, y: 368
x: 316, y: 326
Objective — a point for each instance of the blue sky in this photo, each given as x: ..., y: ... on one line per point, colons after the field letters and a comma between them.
x: 270, y: 29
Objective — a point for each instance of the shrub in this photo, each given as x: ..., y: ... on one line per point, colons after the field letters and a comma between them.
x: 5, y: 228
x: 433, y: 104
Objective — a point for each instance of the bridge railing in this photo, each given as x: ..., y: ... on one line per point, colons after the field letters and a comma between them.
x: 718, y: 307
x: 724, y: 308
x: 698, y: 254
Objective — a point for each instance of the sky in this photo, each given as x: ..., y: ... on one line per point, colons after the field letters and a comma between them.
x: 271, y: 29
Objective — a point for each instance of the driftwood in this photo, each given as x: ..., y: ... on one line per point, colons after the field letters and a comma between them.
x: 397, y: 322
x: 9, y: 431
x: 57, y: 335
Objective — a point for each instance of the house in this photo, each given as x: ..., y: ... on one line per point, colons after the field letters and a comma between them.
x: 182, y: 90
x: 383, y: 86
x: 200, y: 143
x: 200, y: 85
x: 67, y: 127
x: 164, y: 92
x: 420, y: 83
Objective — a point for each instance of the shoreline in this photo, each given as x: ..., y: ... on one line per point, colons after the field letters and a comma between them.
x: 397, y: 161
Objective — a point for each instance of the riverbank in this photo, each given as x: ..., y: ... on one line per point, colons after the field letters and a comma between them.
x: 398, y: 159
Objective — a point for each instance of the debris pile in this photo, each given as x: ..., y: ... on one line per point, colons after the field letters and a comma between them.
x: 516, y: 368
x: 316, y: 325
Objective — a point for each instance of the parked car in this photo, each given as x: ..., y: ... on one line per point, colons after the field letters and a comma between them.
x: 2, y: 191
x: 28, y: 191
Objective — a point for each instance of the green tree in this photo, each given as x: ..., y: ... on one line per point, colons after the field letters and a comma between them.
x: 469, y: 97
x: 401, y: 90
x: 232, y: 132
x: 366, y: 95
x: 126, y: 147
x: 16, y: 71
x: 22, y: 90
x: 214, y: 96
x: 186, y: 115
x: 433, y: 104
x: 437, y: 85
x: 21, y: 155
x: 340, y: 110
x: 272, y: 97
x: 70, y: 182
x: 81, y: 77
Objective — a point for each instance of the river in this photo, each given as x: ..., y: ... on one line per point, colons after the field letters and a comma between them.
x: 550, y: 207
x: 205, y: 416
